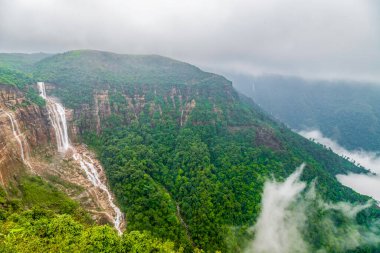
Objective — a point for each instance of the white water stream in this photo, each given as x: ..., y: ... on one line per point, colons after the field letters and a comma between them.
x: 87, y: 164
x: 24, y: 147
x: 58, y: 119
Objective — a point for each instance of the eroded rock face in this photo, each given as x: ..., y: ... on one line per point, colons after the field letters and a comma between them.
x: 130, y: 106
x: 28, y: 144
x: 23, y: 128
x: 102, y: 108
x: 267, y: 138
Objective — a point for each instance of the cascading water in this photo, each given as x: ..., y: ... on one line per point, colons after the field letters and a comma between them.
x: 24, y: 147
x: 87, y: 164
x: 58, y: 118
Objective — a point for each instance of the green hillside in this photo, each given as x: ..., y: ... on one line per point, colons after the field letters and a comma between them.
x: 20, y: 62
x: 16, y: 70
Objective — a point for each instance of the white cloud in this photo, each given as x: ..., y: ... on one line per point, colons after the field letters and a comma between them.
x: 277, y: 230
x: 365, y: 184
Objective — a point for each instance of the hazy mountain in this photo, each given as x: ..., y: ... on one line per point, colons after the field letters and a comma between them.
x: 348, y: 112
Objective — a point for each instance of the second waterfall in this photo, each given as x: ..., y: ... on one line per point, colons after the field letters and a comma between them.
x: 58, y: 119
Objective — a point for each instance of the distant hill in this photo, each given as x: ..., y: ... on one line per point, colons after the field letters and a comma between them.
x: 348, y: 112
x: 20, y: 62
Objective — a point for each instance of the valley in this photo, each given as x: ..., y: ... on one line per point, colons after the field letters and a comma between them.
x: 341, y: 115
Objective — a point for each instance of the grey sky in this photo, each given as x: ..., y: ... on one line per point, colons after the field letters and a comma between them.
x: 311, y: 38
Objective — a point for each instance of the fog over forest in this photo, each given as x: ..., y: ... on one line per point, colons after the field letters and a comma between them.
x: 362, y: 183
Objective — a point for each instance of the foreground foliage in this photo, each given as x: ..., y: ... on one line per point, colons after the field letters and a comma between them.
x: 43, y: 219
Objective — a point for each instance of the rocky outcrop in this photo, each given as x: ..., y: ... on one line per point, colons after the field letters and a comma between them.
x: 102, y: 108
x: 189, y: 106
x: 128, y: 107
x: 266, y: 137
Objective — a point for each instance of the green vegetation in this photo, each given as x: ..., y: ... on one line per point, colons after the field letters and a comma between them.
x: 20, y: 62
x: 21, y: 81
x: 37, y: 217
x: 14, y: 78
x: 348, y: 112
x: 16, y: 71
x: 82, y: 71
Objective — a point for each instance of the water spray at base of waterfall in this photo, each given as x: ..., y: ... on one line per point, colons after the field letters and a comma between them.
x: 58, y: 118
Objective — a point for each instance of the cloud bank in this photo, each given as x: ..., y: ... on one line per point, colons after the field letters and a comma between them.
x: 315, y: 38
x: 365, y: 184
x: 293, y: 214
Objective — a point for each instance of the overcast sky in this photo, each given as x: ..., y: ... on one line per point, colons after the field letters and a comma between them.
x: 311, y: 38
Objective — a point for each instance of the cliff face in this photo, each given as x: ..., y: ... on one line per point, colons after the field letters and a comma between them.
x: 33, y: 120
x: 129, y: 106
x: 28, y: 145
x: 23, y: 128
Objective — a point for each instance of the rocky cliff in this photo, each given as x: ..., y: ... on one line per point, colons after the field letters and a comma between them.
x: 110, y: 105
x: 27, y: 145
x: 24, y: 130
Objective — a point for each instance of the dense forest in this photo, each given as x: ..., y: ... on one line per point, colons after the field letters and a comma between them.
x: 348, y: 112
x: 37, y: 217
x: 186, y: 157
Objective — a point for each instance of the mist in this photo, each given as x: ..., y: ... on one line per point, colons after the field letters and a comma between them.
x: 277, y: 230
x: 362, y: 183
x: 292, y: 211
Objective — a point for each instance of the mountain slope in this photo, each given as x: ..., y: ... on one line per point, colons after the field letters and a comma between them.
x: 20, y: 62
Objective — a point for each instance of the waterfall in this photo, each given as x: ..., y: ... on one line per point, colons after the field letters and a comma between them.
x: 58, y: 118
x: 41, y: 88
x: 24, y: 147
